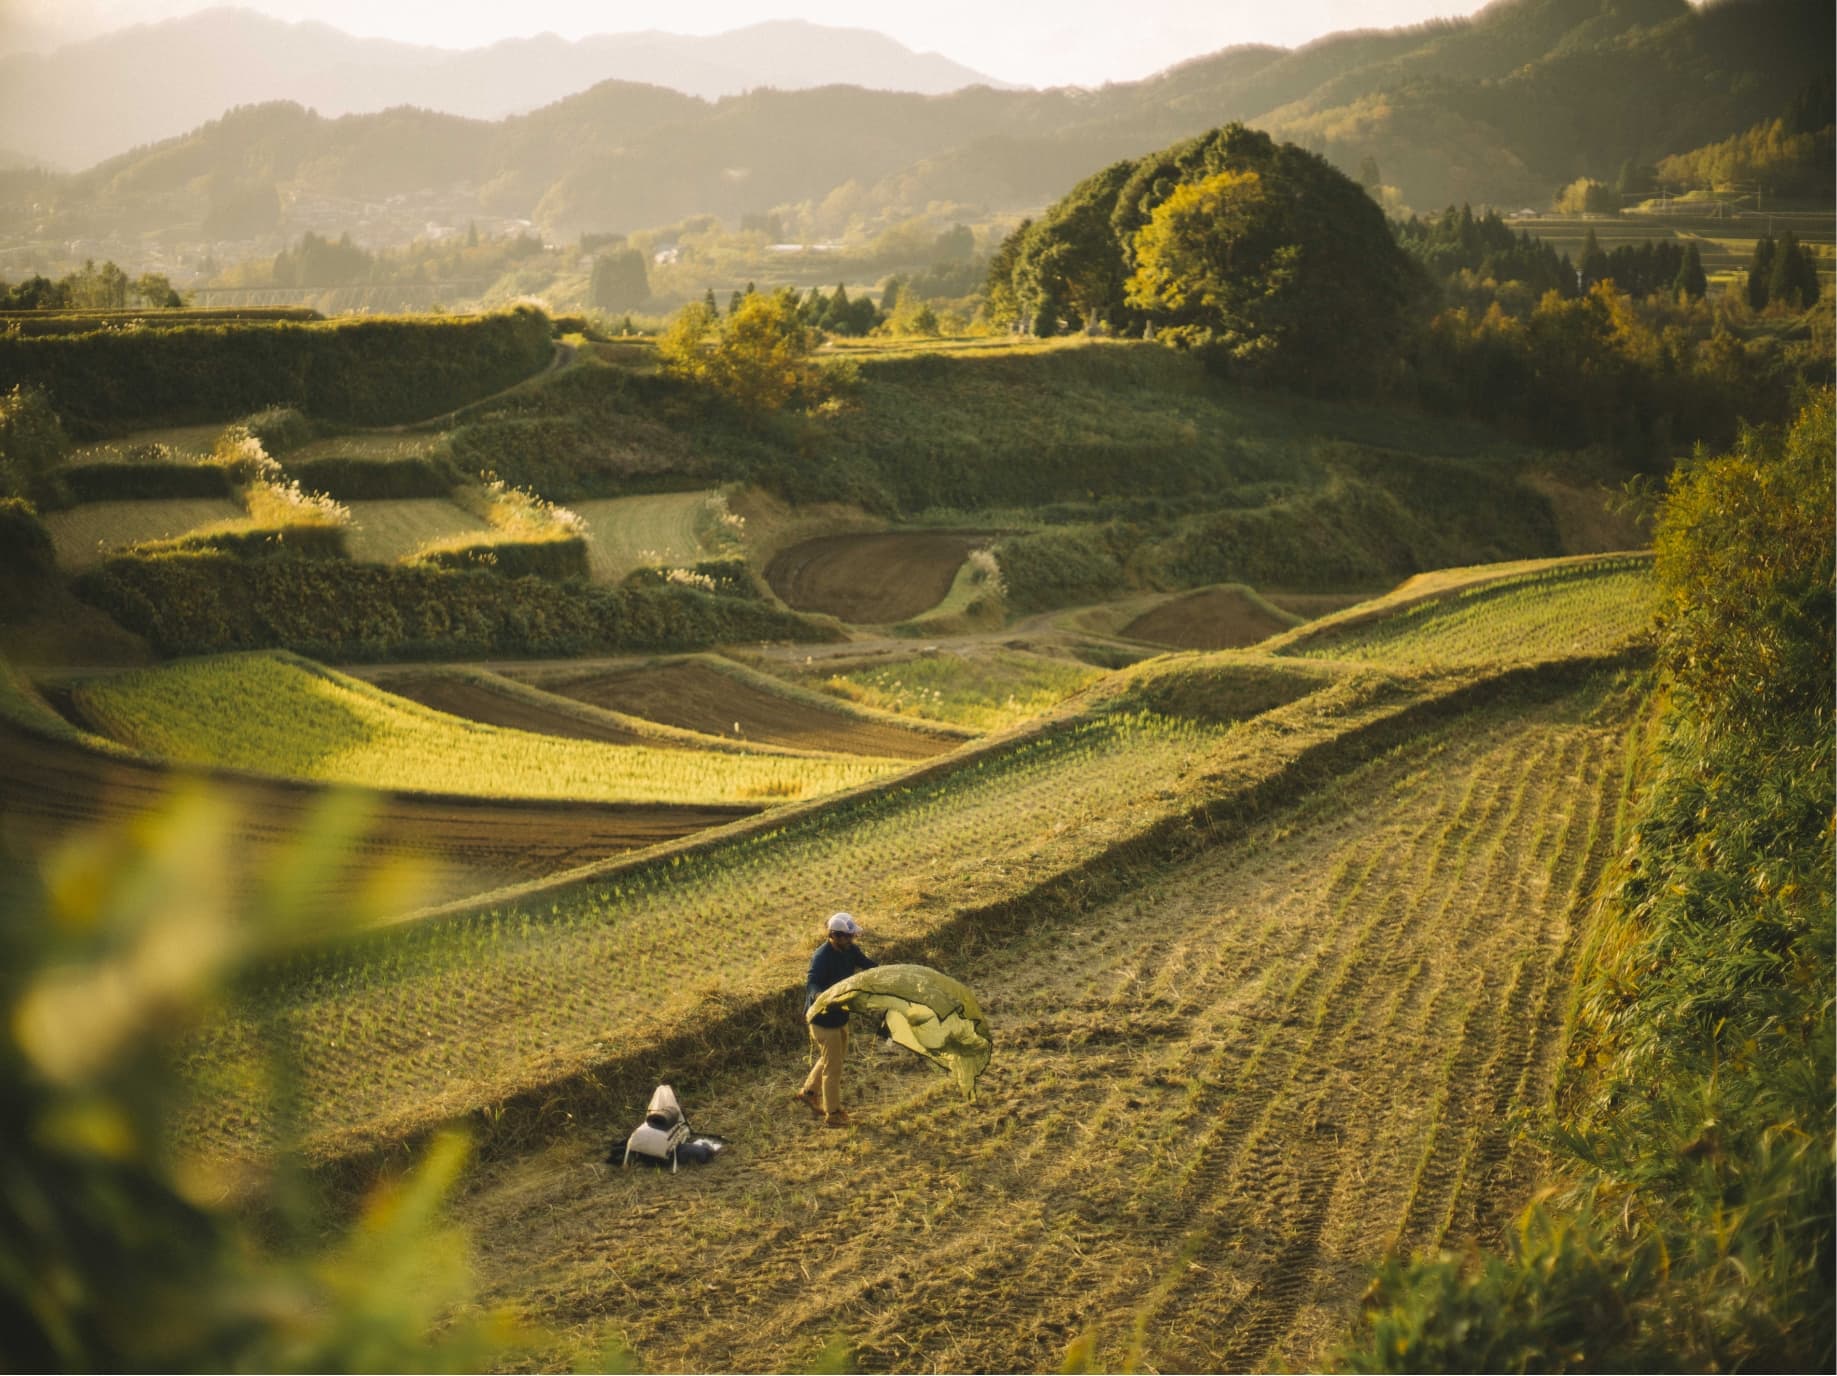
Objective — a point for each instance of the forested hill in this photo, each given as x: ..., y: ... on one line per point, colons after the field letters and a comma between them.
x: 1499, y: 109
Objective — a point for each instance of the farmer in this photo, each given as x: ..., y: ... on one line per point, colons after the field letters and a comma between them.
x: 835, y: 960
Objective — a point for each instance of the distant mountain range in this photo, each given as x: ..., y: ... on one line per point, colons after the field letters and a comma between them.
x: 1500, y: 109
x: 88, y: 101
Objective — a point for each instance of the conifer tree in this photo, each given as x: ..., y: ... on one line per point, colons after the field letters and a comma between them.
x: 1760, y: 272
x: 1691, y: 282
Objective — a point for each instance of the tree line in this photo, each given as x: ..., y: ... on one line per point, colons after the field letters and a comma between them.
x: 91, y: 288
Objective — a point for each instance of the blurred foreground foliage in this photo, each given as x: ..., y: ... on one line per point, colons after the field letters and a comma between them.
x: 1695, y: 1228
x: 117, y: 1250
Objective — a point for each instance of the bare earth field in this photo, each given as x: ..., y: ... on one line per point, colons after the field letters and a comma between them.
x: 871, y: 579
x: 693, y: 696
x: 1213, y: 619
x: 50, y: 788
x: 1215, y: 1102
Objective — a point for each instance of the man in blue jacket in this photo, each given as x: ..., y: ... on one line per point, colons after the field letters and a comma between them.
x: 835, y: 960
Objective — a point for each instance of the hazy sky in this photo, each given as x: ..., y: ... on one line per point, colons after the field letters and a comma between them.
x: 1035, y: 42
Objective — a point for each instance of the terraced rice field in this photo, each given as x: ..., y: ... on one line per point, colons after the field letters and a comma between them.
x: 1576, y: 607
x: 719, y: 698
x: 85, y: 535
x: 1211, y: 619
x: 1274, y: 948
x: 982, y: 689
x: 278, y: 715
x: 634, y: 532
x: 1217, y: 1097
x: 381, y: 532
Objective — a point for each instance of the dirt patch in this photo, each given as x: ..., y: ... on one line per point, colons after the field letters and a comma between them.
x: 698, y: 698
x: 1308, y: 605
x: 479, y: 702
x: 1211, y: 619
x: 49, y: 789
x: 872, y: 579
x: 1586, y: 521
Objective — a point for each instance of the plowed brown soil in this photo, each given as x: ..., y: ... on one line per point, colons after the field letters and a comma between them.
x: 49, y: 789
x: 1215, y: 1105
x: 479, y: 702
x: 698, y: 698
x: 872, y: 579
x: 1212, y: 619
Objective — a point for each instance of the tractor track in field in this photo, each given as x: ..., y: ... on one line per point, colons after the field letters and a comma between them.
x: 1216, y: 1102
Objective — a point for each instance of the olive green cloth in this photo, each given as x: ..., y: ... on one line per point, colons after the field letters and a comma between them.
x: 926, y: 1012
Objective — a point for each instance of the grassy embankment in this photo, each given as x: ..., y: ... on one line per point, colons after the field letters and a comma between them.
x: 277, y: 715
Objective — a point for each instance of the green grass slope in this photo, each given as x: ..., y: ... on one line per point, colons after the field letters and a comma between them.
x: 279, y: 715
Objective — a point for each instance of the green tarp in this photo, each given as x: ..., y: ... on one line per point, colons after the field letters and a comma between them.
x: 926, y: 1012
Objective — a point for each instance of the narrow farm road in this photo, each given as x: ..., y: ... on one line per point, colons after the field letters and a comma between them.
x: 1215, y: 1103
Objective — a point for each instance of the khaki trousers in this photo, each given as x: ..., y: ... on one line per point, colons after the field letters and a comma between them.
x: 825, y: 1077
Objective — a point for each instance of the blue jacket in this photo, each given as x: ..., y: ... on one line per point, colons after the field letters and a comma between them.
x: 830, y: 966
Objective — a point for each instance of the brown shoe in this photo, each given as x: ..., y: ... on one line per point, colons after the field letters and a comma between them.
x: 808, y: 1099
x: 838, y: 1119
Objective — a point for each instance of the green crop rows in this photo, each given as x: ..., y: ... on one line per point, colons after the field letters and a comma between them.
x: 469, y: 1008
x: 1568, y: 609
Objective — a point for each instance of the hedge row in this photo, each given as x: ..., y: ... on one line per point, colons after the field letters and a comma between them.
x: 255, y: 542
x: 353, y: 479
x: 364, y: 371
x: 127, y: 481
x: 207, y: 602
x: 553, y: 559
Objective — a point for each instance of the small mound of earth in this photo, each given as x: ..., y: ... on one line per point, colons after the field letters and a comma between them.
x: 1212, y: 619
x: 872, y: 579
x: 697, y: 698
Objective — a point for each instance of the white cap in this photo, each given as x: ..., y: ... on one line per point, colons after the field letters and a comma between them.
x: 842, y: 922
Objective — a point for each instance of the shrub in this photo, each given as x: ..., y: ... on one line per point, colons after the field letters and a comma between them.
x: 256, y: 541
x: 28, y: 559
x: 351, y: 478
x: 508, y: 557
x: 279, y: 428
x: 32, y: 441
x: 1059, y: 568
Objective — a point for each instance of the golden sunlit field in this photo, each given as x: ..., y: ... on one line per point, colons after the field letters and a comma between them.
x: 1273, y: 946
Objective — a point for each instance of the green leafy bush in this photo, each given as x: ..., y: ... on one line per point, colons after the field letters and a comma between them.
x: 279, y: 428
x: 1059, y: 568
x: 308, y: 541
x: 28, y: 559
x: 128, y: 481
